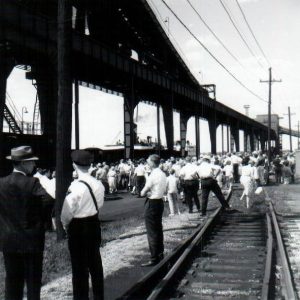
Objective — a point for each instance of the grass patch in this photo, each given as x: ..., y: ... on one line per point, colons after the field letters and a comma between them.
x: 56, y: 255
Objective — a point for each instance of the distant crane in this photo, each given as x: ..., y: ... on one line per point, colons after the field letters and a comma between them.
x: 115, y: 138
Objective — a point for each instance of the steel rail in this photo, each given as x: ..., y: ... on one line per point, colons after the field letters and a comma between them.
x: 163, y: 285
x: 153, y: 280
x: 289, y: 284
x: 266, y: 288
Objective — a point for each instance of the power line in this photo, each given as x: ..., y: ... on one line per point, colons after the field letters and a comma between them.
x: 253, y: 35
x: 213, y: 33
x: 211, y: 54
x: 239, y: 33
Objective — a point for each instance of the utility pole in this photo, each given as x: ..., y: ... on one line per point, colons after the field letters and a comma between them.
x: 270, y: 81
x: 290, y: 128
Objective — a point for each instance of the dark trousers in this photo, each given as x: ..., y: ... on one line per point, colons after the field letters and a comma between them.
x: 153, y: 221
x: 84, y: 246
x: 236, y: 177
x: 21, y: 268
x: 140, y: 182
x: 278, y: 175
x: 208, y: 185
x: 191, y: 188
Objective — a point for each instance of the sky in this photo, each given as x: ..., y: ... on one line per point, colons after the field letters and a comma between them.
x: 276, y: 26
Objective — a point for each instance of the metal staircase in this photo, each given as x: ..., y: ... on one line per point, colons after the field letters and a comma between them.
x: 11, y: 121
x: 36, y: 116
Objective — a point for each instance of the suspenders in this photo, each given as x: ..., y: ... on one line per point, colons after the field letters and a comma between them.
x: 92, y: 194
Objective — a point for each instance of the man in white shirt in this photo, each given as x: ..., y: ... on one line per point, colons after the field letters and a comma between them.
x: 155, y: 188
x: 191, y: 184
x: 80, y: 217
x: 172, y: 193
x: 209, y: 183
x: 236, y: 161
x: 139, y: 172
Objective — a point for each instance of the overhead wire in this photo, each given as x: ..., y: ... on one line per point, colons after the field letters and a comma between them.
x: 213, y: 33
x: 211, y: 54
x: 239, y: 33
x: 252, y: 33
x: 217, y: 38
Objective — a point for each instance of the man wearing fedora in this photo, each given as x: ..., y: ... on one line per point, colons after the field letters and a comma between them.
x: 22, y: 206
x: 80, y: 218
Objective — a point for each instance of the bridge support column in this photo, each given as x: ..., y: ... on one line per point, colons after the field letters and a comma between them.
x: 5, y: 69
x: 169, y: 130
x: 236, y: 138
x: 245, y: 141
x: 64, y: 108
x: 47, y: 90
x: 183, y: 128
x: 197, y: 131
x: 222, y: 136
x: 213, y: 135
x: 158, y: 129
x: 129, y: 105
x: 228, y: 139
x: 252, y: 141
x: 262, y: 141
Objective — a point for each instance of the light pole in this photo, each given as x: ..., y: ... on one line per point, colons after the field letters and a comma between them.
x: 24, y: 111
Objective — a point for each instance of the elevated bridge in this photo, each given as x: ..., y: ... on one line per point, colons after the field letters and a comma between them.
x: 93, y: 41
x: 117, y: 28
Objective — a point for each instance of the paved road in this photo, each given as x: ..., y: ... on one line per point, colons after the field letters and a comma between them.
x: 121, y: 205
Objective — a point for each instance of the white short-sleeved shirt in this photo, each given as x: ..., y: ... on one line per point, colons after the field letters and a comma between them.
x: 156, y: 184
x: 140, y: 170
x: 79, y: 202
x: 188, y: 172
x: 172, y: 182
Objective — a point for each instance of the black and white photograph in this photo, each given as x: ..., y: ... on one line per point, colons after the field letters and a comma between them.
x: 149, y: 149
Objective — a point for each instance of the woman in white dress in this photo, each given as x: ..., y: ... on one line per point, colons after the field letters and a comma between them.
x: 112, y: 180
x: 247, y: 180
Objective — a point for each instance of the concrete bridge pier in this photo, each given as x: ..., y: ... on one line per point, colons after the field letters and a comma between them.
x: 183, y: 128
x: 6, y: 66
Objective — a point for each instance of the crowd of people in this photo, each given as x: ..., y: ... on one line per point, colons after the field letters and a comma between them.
x: 26, y: 202
x: 251, y: 169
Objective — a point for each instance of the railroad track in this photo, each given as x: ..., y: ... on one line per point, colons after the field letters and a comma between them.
x: 289, y: 228
x: 231, y: 256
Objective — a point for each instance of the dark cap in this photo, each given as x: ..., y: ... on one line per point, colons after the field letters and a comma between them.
x: 82, y: 157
